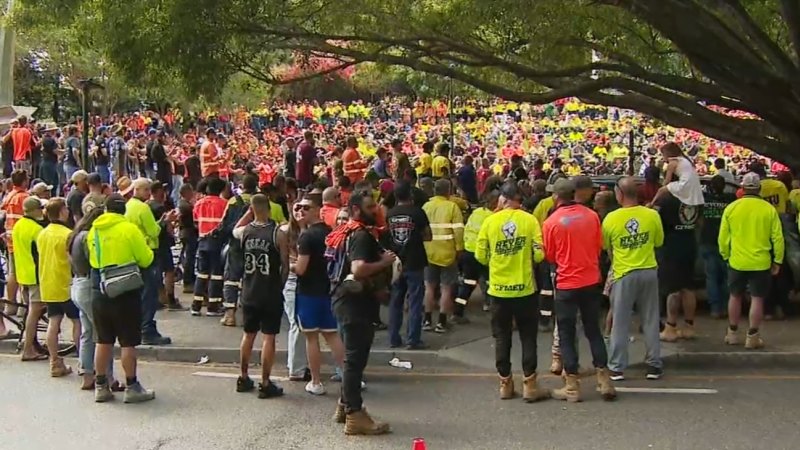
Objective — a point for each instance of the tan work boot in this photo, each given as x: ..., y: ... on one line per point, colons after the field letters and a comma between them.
x: 359, y: 422
x: 670, y: 333
x: 571, y: 391
x: 687, y: 332
x: 58, y: 368
x: 732, y: 338
x: 557, y: 366
x: 339, y: 416
x: 754, y: 341
x: 506, y: 387
x: 531, y: 391
x: 604, y: 386
x: 229, y: 319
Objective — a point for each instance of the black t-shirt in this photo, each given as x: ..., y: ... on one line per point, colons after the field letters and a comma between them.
x: 361, y: 307
x: 311, y: 242
x: 193, y: 172
x: 680, y: 223
x: 289, y: 161
x: 165, y: 239
x: 163, y: 167
x: 101, y: 157
x: 74, y: 204
x: 406, y: 223
x: 185, y: 218
x: 712, y: 216
x: 49, y: 146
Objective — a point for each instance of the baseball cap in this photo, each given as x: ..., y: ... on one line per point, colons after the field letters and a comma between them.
x: 582, y: 182
x: 564, y: 187
x: 41, y: 188
x: 152, y: 131
x: 549, y: 187
x: 31, y: 205
x: 79, y: 175
x: 751, y: 181
x: 124, y: 185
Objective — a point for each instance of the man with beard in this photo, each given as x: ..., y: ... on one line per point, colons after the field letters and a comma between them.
x: 356, y: 288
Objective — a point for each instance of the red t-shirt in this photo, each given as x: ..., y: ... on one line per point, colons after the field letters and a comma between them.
x: 572, y: 242
x: 21, y: 137
x: 305, y: 164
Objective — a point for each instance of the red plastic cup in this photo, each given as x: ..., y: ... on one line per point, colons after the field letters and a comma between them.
x: 419, y: 444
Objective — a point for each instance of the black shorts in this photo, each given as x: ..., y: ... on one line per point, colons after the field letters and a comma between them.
x: 263, y: 318
x: 676, y: 274
x: 756, y: 282
x: 118, y: 319
x: 60, y: 309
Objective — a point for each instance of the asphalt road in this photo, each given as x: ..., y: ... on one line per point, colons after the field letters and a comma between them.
x: 451, y: 411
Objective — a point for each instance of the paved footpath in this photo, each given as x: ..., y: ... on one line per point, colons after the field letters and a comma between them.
x: 470, y: 348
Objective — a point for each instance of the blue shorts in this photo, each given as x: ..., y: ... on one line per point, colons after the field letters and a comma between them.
x: 315, y: 314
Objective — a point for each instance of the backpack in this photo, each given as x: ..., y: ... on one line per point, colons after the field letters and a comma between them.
x: 338, y: 263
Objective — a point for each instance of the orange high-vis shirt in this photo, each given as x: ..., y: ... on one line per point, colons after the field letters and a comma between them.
x: 209, y: 160
x: 354, y: 165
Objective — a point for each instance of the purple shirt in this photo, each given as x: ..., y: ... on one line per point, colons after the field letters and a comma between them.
x: 305, y: 164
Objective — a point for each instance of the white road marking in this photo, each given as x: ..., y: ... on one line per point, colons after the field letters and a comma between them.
x: 234, y: 375
x: 691, y: 391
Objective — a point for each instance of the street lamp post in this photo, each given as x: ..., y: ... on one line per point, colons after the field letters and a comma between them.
x: 452, y: 119
x: 86, y: 86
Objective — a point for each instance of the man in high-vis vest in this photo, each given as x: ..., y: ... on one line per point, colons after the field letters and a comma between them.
x: 510, y: 243
x: 471, y: 269
x: 209, y: 155
x: 447, y: 226
x: 12, y: 206
x: 208, y: 214
x: 354, y: 165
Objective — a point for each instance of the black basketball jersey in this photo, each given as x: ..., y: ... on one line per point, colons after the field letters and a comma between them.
x: 261, y: 282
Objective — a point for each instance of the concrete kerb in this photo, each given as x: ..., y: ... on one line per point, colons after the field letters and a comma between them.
x: 733, y: 360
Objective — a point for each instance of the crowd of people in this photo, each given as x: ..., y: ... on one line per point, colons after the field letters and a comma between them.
x: 320, y: 214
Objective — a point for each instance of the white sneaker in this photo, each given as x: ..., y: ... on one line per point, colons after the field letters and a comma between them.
x: 315, y: 389
x: 363, y: 386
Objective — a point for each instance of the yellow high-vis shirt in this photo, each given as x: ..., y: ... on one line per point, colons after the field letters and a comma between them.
x: 775, y: 192
x: 510, y: 242
x: 543, y: 209
x: 473, y: 227
x: 439, y: 165
x: 632, y: 235
x: 24, y: 235
x: 55, y: 274
x: 751, y: 235
x: 425, y: 160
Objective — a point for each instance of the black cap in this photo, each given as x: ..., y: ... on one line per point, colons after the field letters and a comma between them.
x: 211, y: 131
x: 510, y: 191
x: 115, y: 203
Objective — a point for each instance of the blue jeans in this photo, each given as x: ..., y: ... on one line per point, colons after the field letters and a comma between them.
x: 105, y: 174
x: 48, y: 172
x: 151, y: 278
x: 411, y: 282
x: 716, y: 279
x: 69, y: 170
x: 297, y: 361
x: 81, y: 292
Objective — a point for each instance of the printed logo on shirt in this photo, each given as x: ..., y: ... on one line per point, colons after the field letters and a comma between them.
x: 635, y: 239
x: 714, y: 210
x: 401, y: 228
x: 688, y: 217
x: 511, y: 244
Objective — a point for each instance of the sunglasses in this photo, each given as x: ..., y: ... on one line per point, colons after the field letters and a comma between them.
x: 299, y: 208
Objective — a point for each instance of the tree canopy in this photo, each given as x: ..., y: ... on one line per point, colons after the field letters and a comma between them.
x: 671, y: 59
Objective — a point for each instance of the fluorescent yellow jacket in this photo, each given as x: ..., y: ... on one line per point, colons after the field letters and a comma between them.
x: 121, y: 242
x: 55, y: 274
x: 750, y: 235
x: 542, y: 208
x: 510, y: 242
x: 473, y: 227
x: 447, y: 227
x: 25, y: 254
x: 140, y: 214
